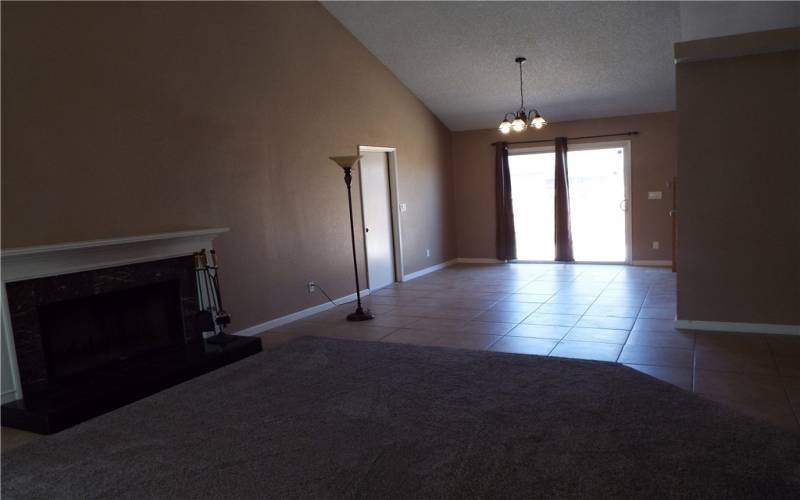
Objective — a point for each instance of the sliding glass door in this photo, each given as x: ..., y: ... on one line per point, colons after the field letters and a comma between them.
x: 532, y: 192
x: 598, y: 195
x: 598, y: 203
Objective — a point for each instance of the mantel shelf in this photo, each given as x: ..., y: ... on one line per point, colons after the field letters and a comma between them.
x: 128, y: 240
x: 61, y: 258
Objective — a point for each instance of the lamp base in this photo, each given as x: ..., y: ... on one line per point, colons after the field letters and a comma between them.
x: 360, y: 315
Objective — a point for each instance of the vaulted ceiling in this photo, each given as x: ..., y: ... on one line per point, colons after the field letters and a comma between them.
x: 585, y: 59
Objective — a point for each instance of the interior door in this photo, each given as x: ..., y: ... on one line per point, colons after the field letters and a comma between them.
x: 377, y: 205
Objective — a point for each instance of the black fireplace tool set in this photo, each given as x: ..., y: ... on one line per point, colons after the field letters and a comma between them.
x: 212, y: 316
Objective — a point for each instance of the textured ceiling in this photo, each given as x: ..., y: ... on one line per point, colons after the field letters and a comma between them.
x: 585, y: 59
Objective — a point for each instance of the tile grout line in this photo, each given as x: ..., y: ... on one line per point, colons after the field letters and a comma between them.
x: 782, y: 380
x: 589, y: 307
x: 502, y: 292
x: 529, y: 314
x: 516, y: 290
x: 559, y: 341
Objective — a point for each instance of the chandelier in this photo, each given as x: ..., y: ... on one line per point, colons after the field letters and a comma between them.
x: 523, y: 118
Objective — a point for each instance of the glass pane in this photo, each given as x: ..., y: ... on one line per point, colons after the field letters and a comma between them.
x: 596, y: 196
x: 532, y: 198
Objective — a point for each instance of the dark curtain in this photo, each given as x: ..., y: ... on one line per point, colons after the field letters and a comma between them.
x: 506, y: 242
x: 563, y: 233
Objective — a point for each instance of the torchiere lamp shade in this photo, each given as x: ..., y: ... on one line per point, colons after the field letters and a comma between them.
x: 346, y: 161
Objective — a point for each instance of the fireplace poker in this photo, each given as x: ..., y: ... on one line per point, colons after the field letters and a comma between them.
x: 204, y: 317
x: 222, y: 318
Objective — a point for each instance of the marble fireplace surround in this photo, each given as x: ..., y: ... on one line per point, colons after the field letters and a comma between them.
x: 30, y: 263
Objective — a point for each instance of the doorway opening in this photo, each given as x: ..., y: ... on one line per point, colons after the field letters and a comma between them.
x: 599, y: 194
x: 380, y: 217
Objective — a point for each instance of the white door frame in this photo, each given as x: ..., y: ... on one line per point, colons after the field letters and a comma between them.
x: 394, y: 195
x: 581, y: 146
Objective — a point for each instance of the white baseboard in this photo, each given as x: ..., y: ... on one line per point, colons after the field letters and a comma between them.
x: 658, y: 263
x: 295, y: 316
x: 724, y: 326
x: 470, y: 260
x: 274, y: 323
x: 428, y: 270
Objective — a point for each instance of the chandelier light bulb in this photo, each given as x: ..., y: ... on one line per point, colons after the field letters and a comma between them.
x: 538, y: 122
x: 518, y: 125
x: 505, y: 127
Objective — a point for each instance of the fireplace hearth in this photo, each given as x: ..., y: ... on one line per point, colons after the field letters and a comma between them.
x: 89, y: 342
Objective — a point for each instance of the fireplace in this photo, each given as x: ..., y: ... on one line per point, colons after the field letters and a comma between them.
x: 73, y: 325
x: 119, y: 327
x: 84, y: 335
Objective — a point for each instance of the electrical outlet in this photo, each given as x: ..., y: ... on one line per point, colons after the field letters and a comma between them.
x: 428, y: 252
x: 656, y: 245
x: 311, y: 287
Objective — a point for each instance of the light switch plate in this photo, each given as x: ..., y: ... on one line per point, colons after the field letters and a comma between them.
x: 654, y: 195
x: 402, y: 207
x: 656, y: 245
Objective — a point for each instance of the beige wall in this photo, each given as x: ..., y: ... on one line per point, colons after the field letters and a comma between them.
x: 739, y: 192
x: 653, y: 164
x: 124, y: 119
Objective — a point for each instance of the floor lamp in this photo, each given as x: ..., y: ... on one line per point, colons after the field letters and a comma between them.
x: 347, y: 163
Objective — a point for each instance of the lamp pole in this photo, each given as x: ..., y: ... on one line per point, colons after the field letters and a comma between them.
x: 347, y: 162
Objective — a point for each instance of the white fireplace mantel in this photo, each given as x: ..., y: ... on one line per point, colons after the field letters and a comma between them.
x: 52, y: 260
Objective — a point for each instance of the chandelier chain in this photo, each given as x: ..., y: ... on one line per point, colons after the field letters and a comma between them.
x: 521, y: 94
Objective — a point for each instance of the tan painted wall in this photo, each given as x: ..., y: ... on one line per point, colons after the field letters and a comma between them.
x: 739, y: 193
x: 124, y: 119
x: 653, y: 164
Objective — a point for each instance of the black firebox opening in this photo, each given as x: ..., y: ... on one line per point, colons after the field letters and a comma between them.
x: 83, y: 335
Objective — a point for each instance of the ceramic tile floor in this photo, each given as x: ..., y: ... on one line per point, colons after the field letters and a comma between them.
x: 600, y: 312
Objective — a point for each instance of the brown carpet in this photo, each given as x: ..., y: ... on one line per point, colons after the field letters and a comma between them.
x: 325, y: 418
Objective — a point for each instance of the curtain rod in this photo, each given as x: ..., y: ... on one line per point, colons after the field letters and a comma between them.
x: 634, y: 132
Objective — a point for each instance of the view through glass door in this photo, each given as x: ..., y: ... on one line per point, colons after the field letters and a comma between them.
x: 532, y: 193
x: 598, y: 190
